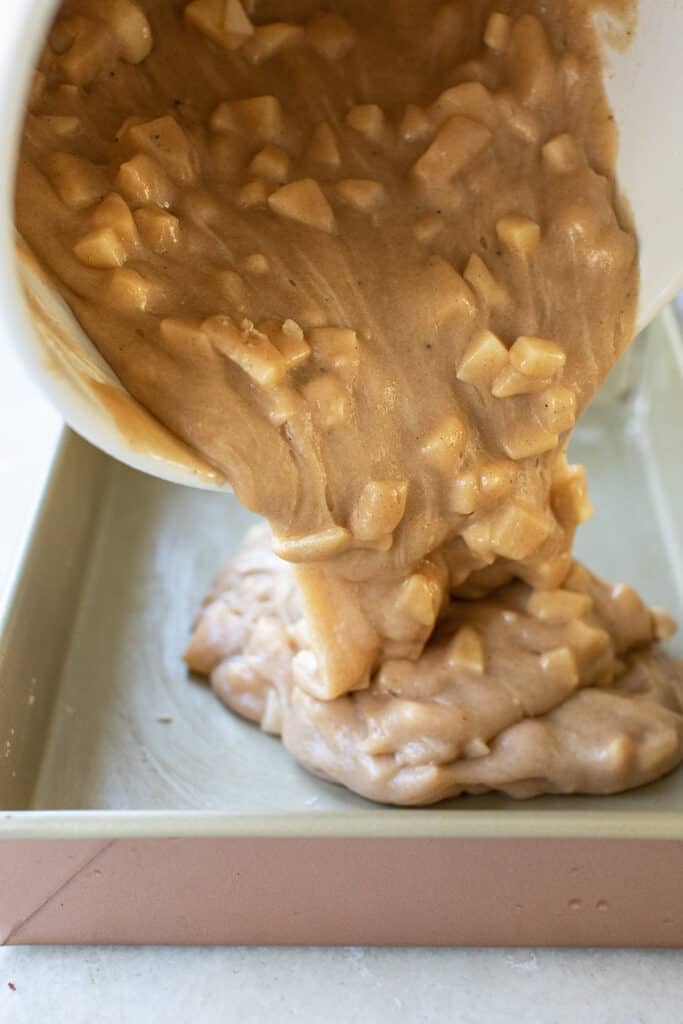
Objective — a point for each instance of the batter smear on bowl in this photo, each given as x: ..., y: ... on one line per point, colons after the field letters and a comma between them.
x: 369, y: 261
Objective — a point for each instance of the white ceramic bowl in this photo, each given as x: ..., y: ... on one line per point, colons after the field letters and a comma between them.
x: 51, y: 344
x: 643, y: 83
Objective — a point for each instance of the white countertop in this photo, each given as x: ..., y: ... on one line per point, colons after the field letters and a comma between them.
x: 353, y: 986
x: 255, y: 985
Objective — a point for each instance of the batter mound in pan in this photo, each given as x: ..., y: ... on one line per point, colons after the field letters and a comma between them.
x: 523, y: 691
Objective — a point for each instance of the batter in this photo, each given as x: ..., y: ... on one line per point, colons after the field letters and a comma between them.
x: 369, y: 261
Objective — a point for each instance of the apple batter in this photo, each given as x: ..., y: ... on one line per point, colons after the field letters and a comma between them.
x: 369, y: 261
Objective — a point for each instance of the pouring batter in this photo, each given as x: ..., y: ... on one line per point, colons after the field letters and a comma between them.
x: 371, y: 264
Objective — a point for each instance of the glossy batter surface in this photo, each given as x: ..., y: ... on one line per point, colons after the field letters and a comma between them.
x: 367, y: 260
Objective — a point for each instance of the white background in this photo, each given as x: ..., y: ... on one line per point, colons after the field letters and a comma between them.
x: 207, y: 986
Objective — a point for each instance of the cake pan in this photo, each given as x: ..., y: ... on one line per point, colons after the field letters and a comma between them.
x: 135, y: 809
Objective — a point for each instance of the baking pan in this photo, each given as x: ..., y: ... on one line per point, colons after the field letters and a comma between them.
x: 137, y: 810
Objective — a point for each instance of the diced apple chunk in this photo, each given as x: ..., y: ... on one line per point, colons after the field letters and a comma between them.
x: 537, y: 357
x: 225, y: 22
x: 368, y: 119
x: 131, y: 28
x: 259, y: 117
x: 129, y: 291
x: 271, y: 163
x: 101, y: 248
x: 379, y: 509
x: 142, y: 180
x: 361, y: 193
x: 165, y: 141
x: 77, y: 182
x: 160, y: 229
x: 304, y: 201
x: 444, y: 447
x: 484, y: 358
x: 270, y: 40
x: 466, y: 651
x: 113, y: 212
x: 329, y: 401
x: 519, y: 234
x: 248, y: 348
